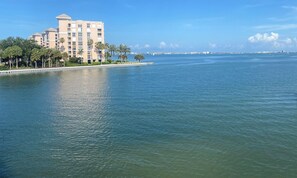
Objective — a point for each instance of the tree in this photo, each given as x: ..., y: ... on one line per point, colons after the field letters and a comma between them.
x: 123, y: 57
x: 35, y: 56
x: 100, y: 47
x: 107, y: 53
x: 1, y: 55
x: 27, y: 47
x: 57, y: 56
x: 25, y: 44
x: 49, y: 54
x: 43, y: 55
x: 112, y: 50
x: 139, y: 57
x: 80, y: 52
x: 62, y: 40
x: 123, y: 51
x: 13, y: 52
x: 126, y: 50
x: 65, y: 56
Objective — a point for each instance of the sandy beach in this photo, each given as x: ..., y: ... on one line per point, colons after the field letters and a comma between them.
x: 26, y: 71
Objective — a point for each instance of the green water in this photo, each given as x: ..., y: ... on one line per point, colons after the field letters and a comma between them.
x: 184, y: 116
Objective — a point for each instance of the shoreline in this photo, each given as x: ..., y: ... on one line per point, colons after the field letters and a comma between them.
x: 54, y: 69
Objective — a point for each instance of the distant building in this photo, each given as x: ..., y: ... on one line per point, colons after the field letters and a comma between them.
x: 77, y: 35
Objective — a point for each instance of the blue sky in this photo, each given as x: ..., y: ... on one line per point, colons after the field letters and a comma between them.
x: 167, y: 25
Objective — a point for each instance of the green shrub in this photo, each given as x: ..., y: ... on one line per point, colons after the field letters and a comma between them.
x: 76, y: 60
x: 3, y: 67
x: 96, y: 63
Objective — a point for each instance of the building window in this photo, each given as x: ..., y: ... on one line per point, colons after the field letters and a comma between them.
x: 73, y: 34
x: 88, y: 25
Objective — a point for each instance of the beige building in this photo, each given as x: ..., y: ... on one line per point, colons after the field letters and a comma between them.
x: 77, y: 36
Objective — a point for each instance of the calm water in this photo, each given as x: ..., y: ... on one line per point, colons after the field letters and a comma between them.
x: 185, y: 116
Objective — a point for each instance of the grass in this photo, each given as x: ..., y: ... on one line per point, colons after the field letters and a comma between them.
x: 70, y: 64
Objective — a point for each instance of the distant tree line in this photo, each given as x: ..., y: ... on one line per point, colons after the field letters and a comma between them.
x: 16, y: 52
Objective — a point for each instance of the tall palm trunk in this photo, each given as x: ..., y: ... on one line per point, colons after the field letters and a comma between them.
x: 16, y: 63
x: 92, y: 54
x: 9, y: 64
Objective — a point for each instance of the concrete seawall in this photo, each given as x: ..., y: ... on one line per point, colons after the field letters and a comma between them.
x: 39, y: 70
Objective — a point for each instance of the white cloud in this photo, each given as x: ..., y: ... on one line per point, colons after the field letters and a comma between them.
x: 288, y: 41
x: 173, y: 45
x: 276, y: 27
x: 163, y: 44
x: 273, y: 41
x: 265, y: 37
x: 147, y: 46
x: 290, y: 7
x: 212, y: 45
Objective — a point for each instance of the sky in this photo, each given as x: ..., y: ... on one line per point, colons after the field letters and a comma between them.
x: 167, y: 25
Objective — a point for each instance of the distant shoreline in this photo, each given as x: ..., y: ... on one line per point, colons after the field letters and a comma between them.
x: 40, y: 70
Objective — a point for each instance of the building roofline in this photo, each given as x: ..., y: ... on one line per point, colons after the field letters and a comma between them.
x: 63, y: 17
x: 36, y: 34
x: 51, y: 30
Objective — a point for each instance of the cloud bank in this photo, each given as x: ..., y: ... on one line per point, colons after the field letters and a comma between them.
x: 265, y: 37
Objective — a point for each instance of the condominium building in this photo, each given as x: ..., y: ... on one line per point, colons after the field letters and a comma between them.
x: 77, y: 38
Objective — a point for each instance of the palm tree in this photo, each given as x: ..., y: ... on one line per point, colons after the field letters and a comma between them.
x: 1, y: 55
x: 80, y: 52
x: 35, y: 56
x: 112, y: 49
x: 123, y: 57
x: 43, y: 55
x: 100, y: 47
x: 65, y: 57
x: 123, y: 51
x: 57, y: 56
x: 107, y: 54
x: 90, y: 45
x: 49, y: 54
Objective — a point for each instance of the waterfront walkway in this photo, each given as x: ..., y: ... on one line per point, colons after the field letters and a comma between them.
x: 20, y: 71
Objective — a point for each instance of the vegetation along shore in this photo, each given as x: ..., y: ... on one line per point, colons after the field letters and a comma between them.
x: 23, y: 54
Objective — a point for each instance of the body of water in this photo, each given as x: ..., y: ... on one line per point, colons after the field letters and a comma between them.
x: 184, y: 116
